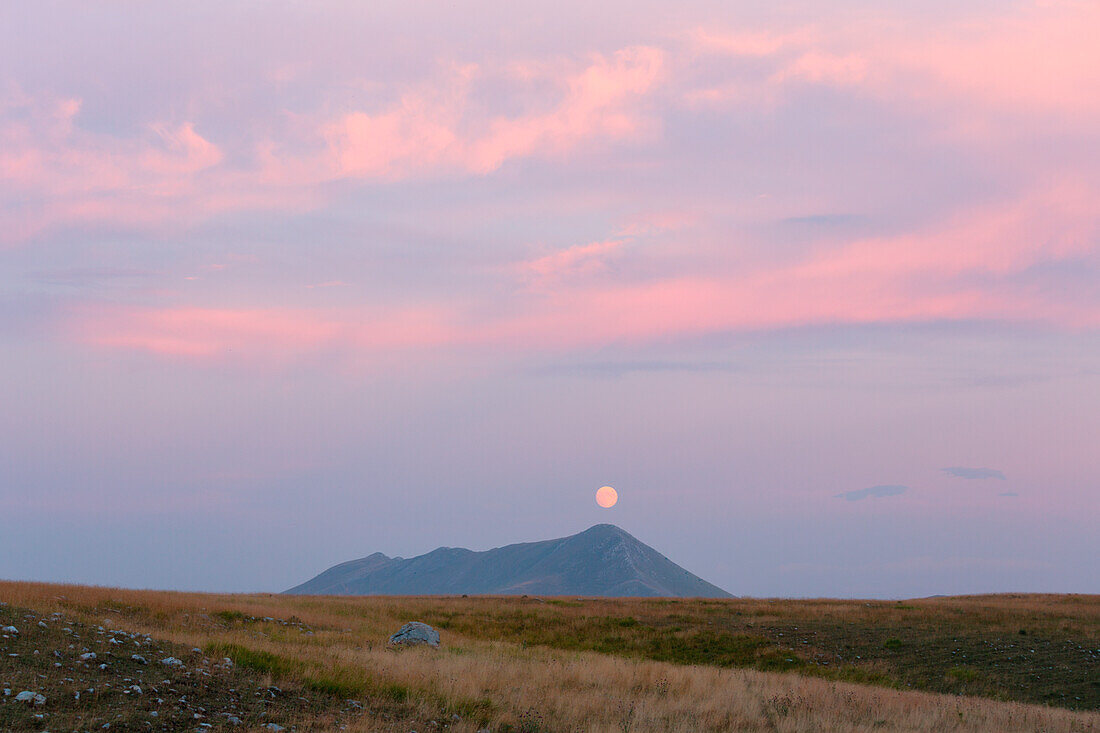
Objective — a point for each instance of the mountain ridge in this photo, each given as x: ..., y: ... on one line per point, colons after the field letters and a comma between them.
x: 603, y: 560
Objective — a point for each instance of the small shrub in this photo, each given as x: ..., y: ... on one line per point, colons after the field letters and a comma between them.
x: 230, y: 617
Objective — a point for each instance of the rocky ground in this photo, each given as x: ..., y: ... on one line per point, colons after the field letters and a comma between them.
x: 60, y: 675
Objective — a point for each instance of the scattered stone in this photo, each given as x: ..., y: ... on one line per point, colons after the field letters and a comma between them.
x: 414, y: 633
x: 88, y: 656
x: 10, y: 630
x: 171, y: 662
x: 31, y: 697
x: 139, y: 659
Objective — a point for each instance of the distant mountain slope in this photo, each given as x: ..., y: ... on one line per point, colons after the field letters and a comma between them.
x: 601, y: 561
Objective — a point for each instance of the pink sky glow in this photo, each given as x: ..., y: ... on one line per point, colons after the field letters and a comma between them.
x: 726, y: 257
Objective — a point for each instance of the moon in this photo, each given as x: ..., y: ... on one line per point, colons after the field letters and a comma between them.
x: 606, y: 497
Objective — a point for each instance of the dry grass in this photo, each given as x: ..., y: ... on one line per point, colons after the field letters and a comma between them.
x: 488, y: 676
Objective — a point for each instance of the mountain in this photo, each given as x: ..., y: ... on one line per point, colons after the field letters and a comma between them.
x: 600, y: 561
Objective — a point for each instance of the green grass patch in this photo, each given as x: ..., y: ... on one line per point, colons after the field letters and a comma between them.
x: 963, y: 674
x: 263, y: 662
x: 230, y: 617
x: 479, y: 710
x: 337, y: 680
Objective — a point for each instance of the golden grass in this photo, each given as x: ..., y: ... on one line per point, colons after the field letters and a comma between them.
x: 506, y: 685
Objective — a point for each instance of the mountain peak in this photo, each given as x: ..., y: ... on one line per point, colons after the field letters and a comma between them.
x: 603, y: 560
x: 604, y: 529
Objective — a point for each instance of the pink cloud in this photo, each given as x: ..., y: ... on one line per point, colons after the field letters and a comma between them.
x: 1029, y: 60
x: 1049, y: 225
x: 596, y: 105
x: 393, y: 144
x: 205, y: 332
x: 953, y: 271
x: 1025, y: 58
x: 67, y: 176
x: 248, y: 335
x: 746, y: 43
x: 1035, y: 58
x: 184, y: 152
x: 175, y: 175
x: 583, y: 259
x: 825, y: 68
x: 423, y: 131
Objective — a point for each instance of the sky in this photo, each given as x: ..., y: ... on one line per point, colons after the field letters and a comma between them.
x: 814, y: 285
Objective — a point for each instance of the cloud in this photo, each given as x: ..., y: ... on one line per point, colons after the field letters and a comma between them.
x: 440, y: 128
x: 824, y: 68
x: 573, y: 262
x: 964, y: 269
x: 876, y: 491
x: 973, y: 473
x: 170, y: 175
x: 746, y: 43
x: 1008, y: 493
x: 256, y: 334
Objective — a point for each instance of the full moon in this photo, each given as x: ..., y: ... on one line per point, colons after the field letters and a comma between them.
x: 606, y: 497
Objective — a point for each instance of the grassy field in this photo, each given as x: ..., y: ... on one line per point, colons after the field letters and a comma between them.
x: 555, y: 664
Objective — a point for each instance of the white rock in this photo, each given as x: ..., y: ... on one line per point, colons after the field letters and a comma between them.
x: 171, y: 662
x: 42, y: 625
x: 88, y: 656
x: 10, y: 630
x: 138, y: 658
x: 274, y: 726
x: 31, y: 697
x: 416, y: 632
